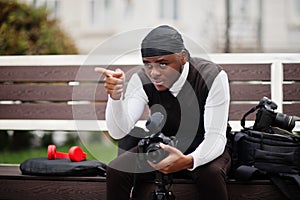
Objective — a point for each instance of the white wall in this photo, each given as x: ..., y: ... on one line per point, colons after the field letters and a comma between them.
x: 201, y: 20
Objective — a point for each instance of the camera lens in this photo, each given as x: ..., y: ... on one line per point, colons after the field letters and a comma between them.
x: 285, y: 121
x: 154, y: 153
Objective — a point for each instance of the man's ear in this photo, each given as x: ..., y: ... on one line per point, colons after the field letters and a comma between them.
x: 184, y: 57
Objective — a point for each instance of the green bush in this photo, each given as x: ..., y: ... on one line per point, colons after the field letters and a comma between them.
x: 26, y: 30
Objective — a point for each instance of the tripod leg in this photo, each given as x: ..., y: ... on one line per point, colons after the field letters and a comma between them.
x: 170, y: 196
x: 158, y: 195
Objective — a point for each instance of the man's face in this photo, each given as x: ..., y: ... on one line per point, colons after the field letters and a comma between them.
x: 163, y: 71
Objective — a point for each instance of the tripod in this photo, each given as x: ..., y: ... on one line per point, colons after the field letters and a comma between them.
x: 161, y: 193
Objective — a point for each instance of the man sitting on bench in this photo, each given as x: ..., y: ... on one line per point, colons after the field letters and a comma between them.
x: 193, y: 96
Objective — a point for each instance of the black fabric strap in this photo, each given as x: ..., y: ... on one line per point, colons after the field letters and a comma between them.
x: 246, y: 114
x: 246, y: 173
x: 295, y: 177
x: 282, y: 186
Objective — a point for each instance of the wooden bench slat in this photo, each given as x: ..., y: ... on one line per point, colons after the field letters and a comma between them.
x: 56, y: 73
x: 291, y: 71
x: 57, y: 111
x: 237, y: 111
x: 51, y: 189
x: 292, y: 109
x: 291, y: 92
x: 249, y: 92
x: 96, y: 92
x: 236, y: 72
x: 53, y: 92
x: 38, y: 73
x: 83, y: 112
x: 248, y: 72
x: 52, y: 111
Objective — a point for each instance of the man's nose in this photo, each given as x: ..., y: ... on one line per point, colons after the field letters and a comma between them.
x: 155, y: 72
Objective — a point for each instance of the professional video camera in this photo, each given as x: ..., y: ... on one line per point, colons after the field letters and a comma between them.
x: 267, y: 117
x: 148, y: 147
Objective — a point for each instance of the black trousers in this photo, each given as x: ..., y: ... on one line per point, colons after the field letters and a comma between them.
x: 210, y: 178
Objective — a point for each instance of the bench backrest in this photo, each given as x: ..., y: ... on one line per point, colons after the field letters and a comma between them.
x: 43, y: 90
x: 291, y: 88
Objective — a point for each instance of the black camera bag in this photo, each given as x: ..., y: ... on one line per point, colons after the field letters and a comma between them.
x: 260, y: 155
x: 62, y: 167
x: 271, y: 153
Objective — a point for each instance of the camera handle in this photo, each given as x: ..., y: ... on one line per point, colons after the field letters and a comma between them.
x: 161, y: 193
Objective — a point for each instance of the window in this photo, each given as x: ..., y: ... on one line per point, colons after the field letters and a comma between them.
x: 99, y: 13
x: 168, y: 9
x: 52, y: 5
x: 294, y: 13
x: 297, y: 8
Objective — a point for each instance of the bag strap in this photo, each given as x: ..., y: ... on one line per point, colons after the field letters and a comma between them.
x: 247, y: 113
x: 245, y: 173
x: 234, y: 153
x: 278, y: 181
x: 295, y: 177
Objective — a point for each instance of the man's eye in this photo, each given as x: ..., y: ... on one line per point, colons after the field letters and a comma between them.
x: 148, y: 65
x: 163, y: 65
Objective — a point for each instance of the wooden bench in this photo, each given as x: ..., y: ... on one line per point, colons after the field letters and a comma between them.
x: 64, y: 93
x: 16, y: 186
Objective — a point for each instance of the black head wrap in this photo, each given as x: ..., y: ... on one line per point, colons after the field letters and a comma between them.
x: 162, y: 40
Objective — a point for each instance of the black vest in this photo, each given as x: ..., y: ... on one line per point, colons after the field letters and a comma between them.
x: 184, y: 113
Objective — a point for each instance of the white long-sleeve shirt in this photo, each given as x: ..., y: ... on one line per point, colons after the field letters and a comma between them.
x: 122, y: 115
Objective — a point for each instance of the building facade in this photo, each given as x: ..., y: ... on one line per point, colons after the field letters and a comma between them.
x: 216, y: 25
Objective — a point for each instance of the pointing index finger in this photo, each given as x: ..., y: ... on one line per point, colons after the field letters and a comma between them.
x: 106, y: 72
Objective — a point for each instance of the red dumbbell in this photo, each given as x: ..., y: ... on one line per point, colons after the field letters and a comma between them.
x: 75, y: 153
